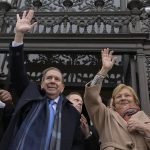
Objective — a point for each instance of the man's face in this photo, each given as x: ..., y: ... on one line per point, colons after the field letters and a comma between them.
x: 124, y: 99
x: 52, y: 84
x: 77, y: 101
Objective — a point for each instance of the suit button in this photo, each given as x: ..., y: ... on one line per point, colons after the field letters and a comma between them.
x: 130, y: 145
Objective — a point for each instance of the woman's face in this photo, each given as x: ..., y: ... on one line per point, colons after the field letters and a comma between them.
x: 123, y: 99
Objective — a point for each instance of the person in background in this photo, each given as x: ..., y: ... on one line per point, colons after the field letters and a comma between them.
x: 123, y: 125
x: 89, y: 136
x: 6, y: 109
x: 43, y: 118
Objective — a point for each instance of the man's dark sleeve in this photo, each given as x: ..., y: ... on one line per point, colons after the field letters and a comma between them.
x: 92, y: 142
x: 18, y: 75
x: 5, y: 116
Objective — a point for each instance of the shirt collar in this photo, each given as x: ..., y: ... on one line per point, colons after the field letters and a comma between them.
x: 57, y: 99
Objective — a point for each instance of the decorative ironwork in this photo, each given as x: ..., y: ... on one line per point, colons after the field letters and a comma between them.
x: 74, y: 5
x: 74, y: 65
x: 145, y: 23
x: 147, y: 63
x: 73, y: 22
x: 135, y: 4
x: 68, y: 3
x: 85, y: 23
x: 99, y: 3
x: 5, y: 5
x: 37, y: 3
x: 82, y: 23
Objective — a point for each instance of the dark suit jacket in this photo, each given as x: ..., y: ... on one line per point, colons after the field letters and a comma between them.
x: 92, y: 142
x: 30, y: 94
x: 5, y: 116
x: 2, y: 126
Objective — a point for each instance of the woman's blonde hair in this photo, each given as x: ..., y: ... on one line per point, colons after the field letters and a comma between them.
x: 119, y: 88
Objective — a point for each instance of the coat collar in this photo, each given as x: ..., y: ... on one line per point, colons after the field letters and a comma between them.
x: 119, y: 119
x: 32, y: 93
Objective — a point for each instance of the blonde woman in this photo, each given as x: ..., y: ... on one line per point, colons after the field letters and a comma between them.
x: 122, y: 126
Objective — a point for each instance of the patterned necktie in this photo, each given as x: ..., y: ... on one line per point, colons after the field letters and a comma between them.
x: 51, y: 122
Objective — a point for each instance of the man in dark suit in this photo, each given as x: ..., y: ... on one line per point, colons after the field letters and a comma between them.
x: 88, y: 135
x: 43, y: 118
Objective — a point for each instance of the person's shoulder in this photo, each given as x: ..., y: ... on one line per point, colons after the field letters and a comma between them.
x: 67, y: 103
x: 142, y: 116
